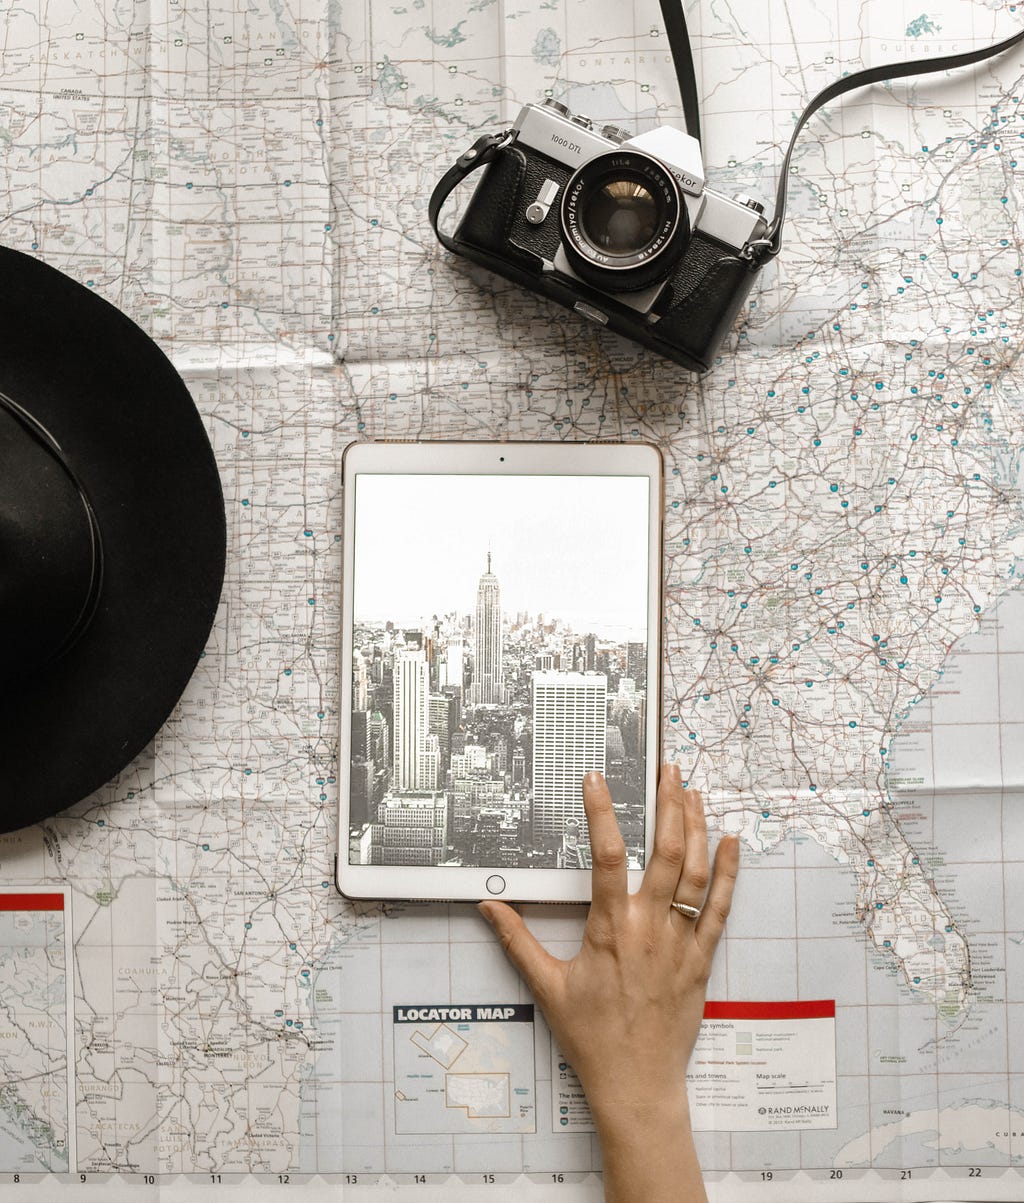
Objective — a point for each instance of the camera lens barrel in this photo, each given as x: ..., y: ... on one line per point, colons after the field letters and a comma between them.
x: 624, y: 221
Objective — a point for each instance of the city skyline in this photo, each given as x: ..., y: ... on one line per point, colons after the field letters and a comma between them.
x: 572, y: 548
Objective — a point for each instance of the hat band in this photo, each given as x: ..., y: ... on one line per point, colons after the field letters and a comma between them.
x: 42, y: 436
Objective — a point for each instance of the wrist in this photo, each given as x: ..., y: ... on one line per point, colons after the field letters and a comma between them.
x: 648, y: 1152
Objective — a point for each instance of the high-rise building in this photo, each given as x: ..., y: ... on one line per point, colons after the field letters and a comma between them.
x: 417, y: 755
x: 570, y: 724
x: 636, y: 663
x: 410, y: 829
x: 443, y: 711
x: 488, y: 684
x: 450, y: 675
x: 360, y: 683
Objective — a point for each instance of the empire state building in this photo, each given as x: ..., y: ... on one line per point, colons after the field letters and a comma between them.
x: 488, y: 687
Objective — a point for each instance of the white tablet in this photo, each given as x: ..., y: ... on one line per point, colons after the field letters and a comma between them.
x: 501, y: 608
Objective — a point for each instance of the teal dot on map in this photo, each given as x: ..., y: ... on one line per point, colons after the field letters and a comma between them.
x: 248, y: 772
x: 853, y: 724
x: 879, y: 905
x: 948, y: 927
x: 305, y: 973
x: 90, y: 283
x: 917, y: 981
x: 308, y: 534
x: 287, y: 1023
x: 189, y: 184
x: 692, y: 736
x: 775, y: 701
x: 206, y: 847
x: 287, y: 672
x: 223, y: 304
x: 311, y: 601
x: 248, y: 926
x: 328, y: 227
x: 938, y: 221
x: 765, y: 814
x: 813, y: 789
x: 319, y: 714
x: 101, y: 822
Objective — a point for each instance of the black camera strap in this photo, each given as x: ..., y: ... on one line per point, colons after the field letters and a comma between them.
x: 682, y: 58
x: 771, y: 244
x: 482, y: 151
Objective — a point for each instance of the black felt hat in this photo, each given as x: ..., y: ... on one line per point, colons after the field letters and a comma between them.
x: 112, y: 540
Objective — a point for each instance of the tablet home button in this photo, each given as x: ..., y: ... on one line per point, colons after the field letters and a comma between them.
x: 495, y: 884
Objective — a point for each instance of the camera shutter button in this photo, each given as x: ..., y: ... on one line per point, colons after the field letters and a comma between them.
x: 582, y: 119
x: 615, y: 133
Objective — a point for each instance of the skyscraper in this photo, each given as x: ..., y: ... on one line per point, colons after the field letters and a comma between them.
x: 570, y: 724
x: 488, y: 685
x: 417, y: 756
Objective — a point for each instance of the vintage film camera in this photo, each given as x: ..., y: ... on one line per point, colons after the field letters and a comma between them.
x: 623, y: 229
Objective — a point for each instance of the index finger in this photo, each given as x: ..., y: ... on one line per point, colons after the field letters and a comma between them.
x: 607, y: 848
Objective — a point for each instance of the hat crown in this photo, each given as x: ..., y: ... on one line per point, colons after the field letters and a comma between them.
x: 46, y: 546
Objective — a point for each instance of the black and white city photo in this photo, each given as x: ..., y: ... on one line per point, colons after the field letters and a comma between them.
x: 499, y: 653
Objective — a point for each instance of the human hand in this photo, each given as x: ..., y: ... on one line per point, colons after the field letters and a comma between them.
x: 627, y: 1008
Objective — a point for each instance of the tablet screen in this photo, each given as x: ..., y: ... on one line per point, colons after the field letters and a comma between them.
x: 499, y: 652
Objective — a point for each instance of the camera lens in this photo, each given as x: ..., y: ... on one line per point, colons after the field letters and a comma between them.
x: 623, y: 221
x: 621, y: 217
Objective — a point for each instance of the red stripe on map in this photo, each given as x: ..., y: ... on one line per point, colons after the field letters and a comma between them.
x: 820, y: 1008
x: 31, y: 902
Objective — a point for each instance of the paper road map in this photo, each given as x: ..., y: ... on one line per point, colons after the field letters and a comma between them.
x: 185, y: 1003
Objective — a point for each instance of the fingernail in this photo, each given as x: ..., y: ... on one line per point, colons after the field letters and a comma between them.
x: 675, y: 772
x: 592, y: 778
x: 485, y: 910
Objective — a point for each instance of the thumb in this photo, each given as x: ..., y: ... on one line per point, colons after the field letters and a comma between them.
x: 534, y: 963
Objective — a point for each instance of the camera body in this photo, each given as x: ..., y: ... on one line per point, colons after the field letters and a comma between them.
x: 621, y: 229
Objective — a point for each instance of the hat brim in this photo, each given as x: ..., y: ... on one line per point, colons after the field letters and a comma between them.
x: 131, y: 432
